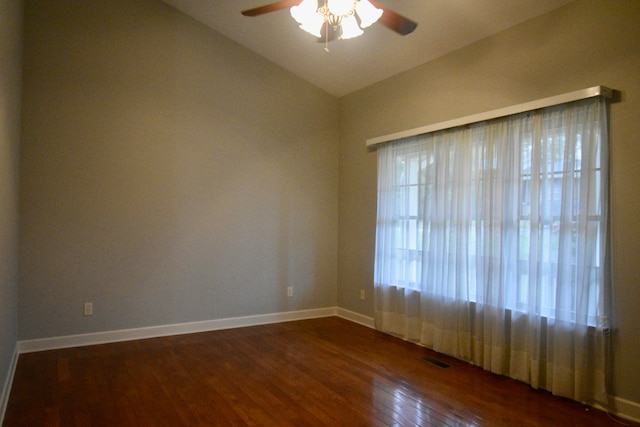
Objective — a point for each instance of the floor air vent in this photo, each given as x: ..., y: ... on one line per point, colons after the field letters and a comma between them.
x: 436, y: 362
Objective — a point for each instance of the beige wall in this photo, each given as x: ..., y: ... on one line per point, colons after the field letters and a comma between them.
x: 584, y: 44
x: 168, y: 175
x: 10, y: 55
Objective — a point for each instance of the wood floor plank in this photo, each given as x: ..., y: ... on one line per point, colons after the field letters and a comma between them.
x: 321, y: 372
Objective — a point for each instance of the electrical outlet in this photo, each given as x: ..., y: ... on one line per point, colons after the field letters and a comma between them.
x: 362, y: 294
x: 289, y: 291
x: 87, y: 309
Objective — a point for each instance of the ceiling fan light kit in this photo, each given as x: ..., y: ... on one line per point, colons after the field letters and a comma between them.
x: 340, y: 14
x: 342, y: 18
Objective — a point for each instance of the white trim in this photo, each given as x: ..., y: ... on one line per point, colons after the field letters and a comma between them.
x: 6, y: 388
x: 354, y: 317
x: 623, y: 408
x: 502, y: 112
x: 28, y: 346
x: 627, y: 409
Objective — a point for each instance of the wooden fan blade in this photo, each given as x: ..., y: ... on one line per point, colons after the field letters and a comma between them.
x: 271, y: 7
x: 394, y: 21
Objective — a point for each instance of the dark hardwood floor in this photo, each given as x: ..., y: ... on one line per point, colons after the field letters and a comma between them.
x: 308, y: 373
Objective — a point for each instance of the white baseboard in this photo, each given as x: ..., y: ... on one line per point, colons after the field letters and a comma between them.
x: 6, y: 388
x: 28, y: 346
x: 624, y: 408
x: 356, y: 317
x: 54, y: 343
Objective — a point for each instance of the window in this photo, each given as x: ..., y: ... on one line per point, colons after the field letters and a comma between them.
x: 490, y: 245
x: 497, y: 192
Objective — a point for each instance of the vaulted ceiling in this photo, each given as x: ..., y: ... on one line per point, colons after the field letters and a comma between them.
x: 350, y: 65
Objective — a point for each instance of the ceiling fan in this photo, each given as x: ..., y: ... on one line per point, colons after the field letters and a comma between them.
x: 330, y: 19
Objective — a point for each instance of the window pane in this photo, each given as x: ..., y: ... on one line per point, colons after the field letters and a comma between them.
x: 529, y: 214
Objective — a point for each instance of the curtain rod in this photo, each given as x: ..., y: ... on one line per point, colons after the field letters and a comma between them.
x: 494, y: 114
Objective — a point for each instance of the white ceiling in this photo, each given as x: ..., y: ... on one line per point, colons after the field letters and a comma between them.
x: 443, y: 26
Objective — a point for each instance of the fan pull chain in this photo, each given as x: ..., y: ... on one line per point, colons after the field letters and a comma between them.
x: 326, y: 36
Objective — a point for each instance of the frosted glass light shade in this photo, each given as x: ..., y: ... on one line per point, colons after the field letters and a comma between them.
x: 313, y: 27
x: 350, y: 28
x: 367, y: 13
x: 306, y: 14
x: 304, y: 11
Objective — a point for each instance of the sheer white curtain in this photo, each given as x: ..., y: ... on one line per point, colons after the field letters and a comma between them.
x: 491, y: 245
